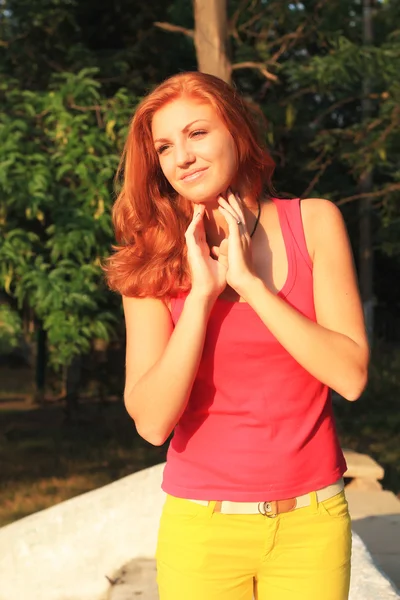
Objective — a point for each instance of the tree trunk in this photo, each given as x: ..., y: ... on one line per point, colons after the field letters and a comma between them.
x: 211, y: 37
x: 73, y: 377
x: 41, y: 362
x: 365, y: 206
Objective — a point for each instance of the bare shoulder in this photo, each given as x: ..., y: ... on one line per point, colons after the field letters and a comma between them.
x: 148, y: 303
x: 322, y: 221
x: 134, y: 305
x: 148, y: 325
x: 145, y: 319
x: 316, y: 208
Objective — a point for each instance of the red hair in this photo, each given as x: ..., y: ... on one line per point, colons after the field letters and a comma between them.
x: 150, y: 218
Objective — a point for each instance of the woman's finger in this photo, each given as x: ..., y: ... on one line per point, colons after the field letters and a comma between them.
x: 225, y: 204
x: 199, y: 231
x: 196, y: 220
x: 236, y: 203
x: 235, y: 228
x: 221, y: 252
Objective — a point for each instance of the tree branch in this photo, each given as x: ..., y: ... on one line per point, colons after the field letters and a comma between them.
x: 72, y: 104
x: 288, y: 41
x: 317, y: 177
x: 255, y: 65
x: 174, y: 28
x: 386, y: 132
x: 6, y: 43
x: 390, y: 188
x: 288, y: 99
x: 333, y: 107
x: 234, y: 20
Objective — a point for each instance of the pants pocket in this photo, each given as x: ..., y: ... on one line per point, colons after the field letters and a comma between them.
x: 182, y: 508
x: 335, y: 507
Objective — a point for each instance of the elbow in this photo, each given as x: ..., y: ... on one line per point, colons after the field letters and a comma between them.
x: 152, y: 432
x: 354, y: 392
x: 153, y: 437
x: 352, y: 395
x: 157, y: 441
x: 149, y: 432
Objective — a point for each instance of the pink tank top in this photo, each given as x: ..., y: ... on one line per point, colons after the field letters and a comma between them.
x: 257, y: 426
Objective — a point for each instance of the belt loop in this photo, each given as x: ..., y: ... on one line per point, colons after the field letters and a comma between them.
x: 211, y: 507
x: 314, y: 501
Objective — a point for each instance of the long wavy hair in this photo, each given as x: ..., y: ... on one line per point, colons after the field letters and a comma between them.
x: 150, y: 218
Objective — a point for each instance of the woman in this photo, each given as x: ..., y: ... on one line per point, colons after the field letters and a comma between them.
x: 242, y: 311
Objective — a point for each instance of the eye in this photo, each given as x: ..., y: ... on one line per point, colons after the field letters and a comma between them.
x: 162, y: 149
x: 198, y: 133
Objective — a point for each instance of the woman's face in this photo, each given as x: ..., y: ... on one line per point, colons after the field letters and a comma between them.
x: 196, y: 151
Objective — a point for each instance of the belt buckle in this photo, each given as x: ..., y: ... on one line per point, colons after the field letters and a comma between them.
x: 268, y: 509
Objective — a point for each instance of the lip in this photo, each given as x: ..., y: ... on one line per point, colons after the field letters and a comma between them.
x: 191, y: 174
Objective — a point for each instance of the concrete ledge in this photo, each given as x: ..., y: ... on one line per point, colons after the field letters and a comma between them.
x: 367, y: 582
x: 67, y: 551
x: 362, y: 466
x: 376, y: 519
x: 364, y: 504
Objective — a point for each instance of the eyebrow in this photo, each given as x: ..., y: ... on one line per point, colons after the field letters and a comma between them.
x: 183, y: 130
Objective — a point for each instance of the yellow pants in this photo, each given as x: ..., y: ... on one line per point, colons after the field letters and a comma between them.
x: 300, y: 555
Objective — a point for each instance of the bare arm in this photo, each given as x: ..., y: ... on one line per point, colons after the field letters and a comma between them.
x: 161, y: 362
x: 335, y: 348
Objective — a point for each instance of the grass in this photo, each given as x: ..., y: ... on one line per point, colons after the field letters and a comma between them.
x: 46, y: 460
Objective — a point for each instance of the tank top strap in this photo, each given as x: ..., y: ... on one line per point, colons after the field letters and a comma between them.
x: 289, y: 212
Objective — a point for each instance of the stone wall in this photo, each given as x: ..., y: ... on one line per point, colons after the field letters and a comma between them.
x: 66, y: 552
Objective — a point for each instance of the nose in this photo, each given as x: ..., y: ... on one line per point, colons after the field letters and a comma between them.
x: 184, y: 156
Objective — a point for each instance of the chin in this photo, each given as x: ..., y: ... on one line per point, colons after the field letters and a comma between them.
x: 205, y: 196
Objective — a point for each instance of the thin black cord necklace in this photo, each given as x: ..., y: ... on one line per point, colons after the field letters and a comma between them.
x: 257, y: 219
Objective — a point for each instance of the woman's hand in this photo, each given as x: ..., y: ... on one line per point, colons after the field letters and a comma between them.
x: 235, y: 251
x: 208, y: 275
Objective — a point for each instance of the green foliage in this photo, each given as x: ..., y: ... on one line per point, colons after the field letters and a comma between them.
x: 320, y: 137
x: 59, y: 150
x: 10, y: 329
x: 43, y: 37
x: 70, y: 76
x: 71, y: 73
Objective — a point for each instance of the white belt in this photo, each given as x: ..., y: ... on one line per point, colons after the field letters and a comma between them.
x: 272, y: 508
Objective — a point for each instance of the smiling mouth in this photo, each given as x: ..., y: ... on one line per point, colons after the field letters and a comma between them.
x: 195, y: 175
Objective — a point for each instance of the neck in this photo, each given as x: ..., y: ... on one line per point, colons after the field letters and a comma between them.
x: 216, y: 226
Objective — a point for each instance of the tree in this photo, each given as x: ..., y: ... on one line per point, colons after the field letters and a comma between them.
x: 63, y: 126
x: 365, y: 250
x: 306, y: 64
x: 63, y: 65
x: 40, y: 38
x: 211, y: 37
x: 59, y: 150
